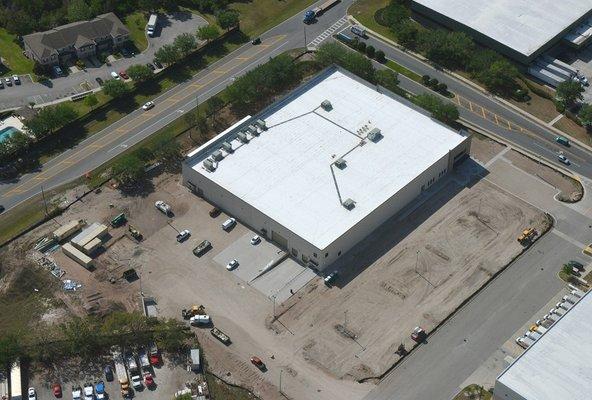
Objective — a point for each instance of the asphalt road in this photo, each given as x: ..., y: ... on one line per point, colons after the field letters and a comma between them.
x: 171, y: 105
x: 486, y: 110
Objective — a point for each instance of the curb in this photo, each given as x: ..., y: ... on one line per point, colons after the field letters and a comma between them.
x: 475, y: 86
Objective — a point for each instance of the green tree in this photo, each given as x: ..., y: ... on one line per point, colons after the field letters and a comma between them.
x: 171, y: 336
x: 407, y: 33
x: 228, y: 19
x: 500, y: 77
x: 148, y: 5
x: 185, y: 43
x: 388, y: 78
x: 445, y: 112
x: 585, y: 115
x: 569, y: 92
x: 481, y: 60
x: 167, y: 54
x: 334, y: 53
x: 380, y: 57
x: 115, y: 88
x: 10, y: 348
x: 451, y: 49
x: 394, y: 14
x: 91, y: 101
x: 213, y: 105
x: 129, y: 170
x: 208, y: 32
x: 168, y: 152
x: 78, y: 10
x: 140, y: 72
x: 370, y: 51
x: 49, y: 119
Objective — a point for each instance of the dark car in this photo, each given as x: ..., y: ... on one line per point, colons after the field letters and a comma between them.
x: 2, y: 209
x: 256, y: 361
x: 108, y: 373
x: 214, y: 212
x: 202, y: 248
x: 99, y: 81
x: 155, y: 62
x: 125, y: 52
x: 151, y: 66
x: 256, y: 41
x: 577, y: 265
x: 329, y: 279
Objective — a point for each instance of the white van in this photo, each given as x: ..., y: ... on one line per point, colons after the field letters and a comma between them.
x: 228, y: 224
x: 114, y: 75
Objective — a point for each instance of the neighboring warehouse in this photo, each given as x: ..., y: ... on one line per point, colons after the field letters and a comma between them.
x: 320, y: 170
x: 81, y: 39
x: 557, y: 365
x: 520, y: 29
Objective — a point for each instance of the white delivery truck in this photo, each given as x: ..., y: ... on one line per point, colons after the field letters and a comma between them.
x: 151, y: 27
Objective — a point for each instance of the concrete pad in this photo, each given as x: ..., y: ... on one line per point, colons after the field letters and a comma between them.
x: 252, y: 259
x: 278, y: 282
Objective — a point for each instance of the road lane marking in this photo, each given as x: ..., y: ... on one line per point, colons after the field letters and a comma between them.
x: 111, y: 137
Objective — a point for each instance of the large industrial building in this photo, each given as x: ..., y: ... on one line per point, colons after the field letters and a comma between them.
x: 519, y: 29
x: 320, y: 170
x: 557, y: 365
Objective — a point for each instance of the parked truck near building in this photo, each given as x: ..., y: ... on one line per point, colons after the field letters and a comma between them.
x: 151, y: 27
x: 313, y: 13
x: 121, y: 374
x: 134, y: 371
x: 16, y: 391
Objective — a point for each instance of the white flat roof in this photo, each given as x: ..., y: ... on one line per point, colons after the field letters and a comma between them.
x: 523, y: 25
x: 287, y: 172
x: 557, y: 366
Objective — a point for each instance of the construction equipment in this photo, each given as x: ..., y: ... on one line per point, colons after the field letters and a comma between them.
x: 194, y: 310
x: 135, y: 233
x: 527, y: 236
x: 118, y: 220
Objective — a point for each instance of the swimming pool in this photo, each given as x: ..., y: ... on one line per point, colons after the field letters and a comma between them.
x: 7, y: 132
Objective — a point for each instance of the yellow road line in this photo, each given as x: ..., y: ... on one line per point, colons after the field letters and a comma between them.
x: 509, y: 125
x: 130, y: 124
x: 471, y: 106
x: 483, y: 110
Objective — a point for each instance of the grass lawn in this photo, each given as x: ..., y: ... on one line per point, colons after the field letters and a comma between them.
x: 20, y: 218
x: 571, y: 128
x: 12, y: 53
x: 257, y: 16
x: 222, y: 391
x: 136, y: 23
x: 403, y: 71
x: 364, y: 10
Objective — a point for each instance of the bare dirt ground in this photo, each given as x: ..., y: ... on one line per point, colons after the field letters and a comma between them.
x: 570, y: 190
x: 484, y: 149
x: 324, y: 338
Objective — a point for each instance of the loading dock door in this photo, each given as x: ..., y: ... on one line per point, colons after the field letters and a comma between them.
x: 279, y: 240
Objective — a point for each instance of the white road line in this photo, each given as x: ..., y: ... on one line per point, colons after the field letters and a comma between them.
x: 329, y: 31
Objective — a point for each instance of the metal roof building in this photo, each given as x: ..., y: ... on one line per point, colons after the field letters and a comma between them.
x: 557, y: 365
x: 520, y: 29
x: 321, y: 169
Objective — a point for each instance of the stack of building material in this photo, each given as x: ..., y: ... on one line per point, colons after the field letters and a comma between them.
x: 89, y: 239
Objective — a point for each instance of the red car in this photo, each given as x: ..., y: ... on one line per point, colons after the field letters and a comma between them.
x: 57, y: 390
x: 256, y: 361
x: 418, y: 334
x: 123, y: 75
x: 148, y: 379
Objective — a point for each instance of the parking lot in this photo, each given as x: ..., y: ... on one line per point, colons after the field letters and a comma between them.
x: 170, y: 26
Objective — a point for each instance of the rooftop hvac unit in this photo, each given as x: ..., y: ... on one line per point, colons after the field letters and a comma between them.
x: 217, y: 155
x: 261, y: 124
x: 340, y: 163
x: 252, y: 129
x: 326, y: 105
x: 209, y: 165
x: 349, y: 204
x: 374, y: 135
x: 227, y: 147
x: 242, y: 137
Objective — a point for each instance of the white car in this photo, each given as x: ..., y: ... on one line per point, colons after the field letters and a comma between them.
x: 147, y: 106
x: 115, y: 75
x: 8, y: 81
x: 255, y: 240
x: 228, y: 224
x: 76, y: 393
x: 89, y: 392
x: 200, y: 320
x: 183, y: 235
x: 232, y: 265
x: 163, y: 207
x: 563, y: 159
x: 16, y: 79
x: 32, y: 394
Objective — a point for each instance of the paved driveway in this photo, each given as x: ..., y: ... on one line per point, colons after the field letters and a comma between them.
x: 169, y: 27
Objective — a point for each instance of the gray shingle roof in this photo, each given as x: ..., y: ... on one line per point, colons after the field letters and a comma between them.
x: 78, y: 34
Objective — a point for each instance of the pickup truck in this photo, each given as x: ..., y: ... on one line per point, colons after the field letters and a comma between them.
x: 134, y: 372
x: 221, y: 336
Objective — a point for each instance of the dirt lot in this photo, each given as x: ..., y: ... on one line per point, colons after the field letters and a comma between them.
x: 455, y: 241
x: 484, y: 149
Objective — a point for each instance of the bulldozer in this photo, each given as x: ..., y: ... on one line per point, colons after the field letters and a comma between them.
x: 194, y: 310
x: 527, y: 235
x: 135, y: 233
